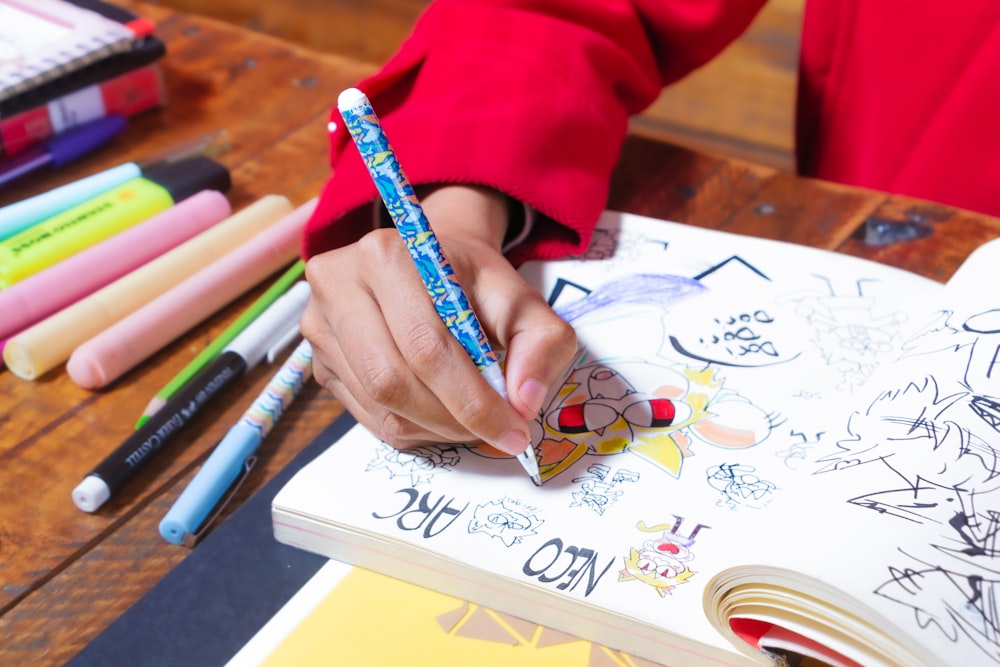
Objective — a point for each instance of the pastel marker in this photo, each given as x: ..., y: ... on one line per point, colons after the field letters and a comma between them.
x: 28, y: 212
x: 89, y: 223
x: 211, y: 351
x: 241, y: 355
x: 43, y: 346
x: 122, y: 346
x: 38, y: 296
x: 21, y: 215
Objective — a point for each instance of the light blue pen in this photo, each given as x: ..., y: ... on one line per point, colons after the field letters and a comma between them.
x: 407, y: 215
x: 21, y: 215
x: 181, y: 523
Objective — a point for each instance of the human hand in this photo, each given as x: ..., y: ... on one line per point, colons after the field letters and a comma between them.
x: 380, y: 347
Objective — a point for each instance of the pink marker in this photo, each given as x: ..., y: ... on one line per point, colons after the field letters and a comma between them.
x: 120, y: 347
x: 38, y: 296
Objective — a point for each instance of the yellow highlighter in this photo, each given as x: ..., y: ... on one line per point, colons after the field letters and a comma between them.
x: 97, y: 219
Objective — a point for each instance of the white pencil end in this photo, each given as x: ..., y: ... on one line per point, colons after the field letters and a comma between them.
x: 350, y: 98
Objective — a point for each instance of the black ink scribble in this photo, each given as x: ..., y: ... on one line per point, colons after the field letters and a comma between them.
x: 949, y: 601
x: 740, y: 486
x: 598, y: 492
x: 418, y: 465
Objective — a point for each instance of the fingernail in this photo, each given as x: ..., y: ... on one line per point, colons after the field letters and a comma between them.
x: 532, y: 392
x: 513, y: 443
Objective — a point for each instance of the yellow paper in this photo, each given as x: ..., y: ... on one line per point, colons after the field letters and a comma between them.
x: 372, y: 619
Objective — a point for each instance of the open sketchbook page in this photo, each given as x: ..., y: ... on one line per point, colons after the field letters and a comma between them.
x: 712, y: 369
x: 914, y: 471
x: 979, y: 272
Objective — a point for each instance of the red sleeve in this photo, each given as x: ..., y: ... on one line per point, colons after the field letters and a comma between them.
x: 530, y: 98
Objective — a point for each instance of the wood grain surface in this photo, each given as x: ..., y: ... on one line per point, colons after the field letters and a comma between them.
x: 67, y: 575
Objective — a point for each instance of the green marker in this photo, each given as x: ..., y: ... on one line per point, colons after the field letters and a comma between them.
x: 286, y: 280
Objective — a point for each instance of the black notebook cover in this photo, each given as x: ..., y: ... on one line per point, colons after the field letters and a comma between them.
x: 216, y: 599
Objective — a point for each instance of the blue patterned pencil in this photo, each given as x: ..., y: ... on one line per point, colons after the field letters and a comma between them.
x: 407, y: 215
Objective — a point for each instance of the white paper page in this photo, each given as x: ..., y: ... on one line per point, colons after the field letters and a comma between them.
x: 905, y: 496
x: 980, y: 272
x: 714, y: 367
x: 761, y: 345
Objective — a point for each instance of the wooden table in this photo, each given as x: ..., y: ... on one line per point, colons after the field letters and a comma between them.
x: 67, y: 575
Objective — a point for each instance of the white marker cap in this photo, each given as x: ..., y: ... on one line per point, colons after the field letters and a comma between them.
x: 91, y: 493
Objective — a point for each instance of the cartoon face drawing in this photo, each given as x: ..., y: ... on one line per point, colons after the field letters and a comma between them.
x: 661, y: 562
x: 657, y: 413
x: 508, y: 520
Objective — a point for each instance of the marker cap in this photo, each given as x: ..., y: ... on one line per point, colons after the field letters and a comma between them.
x: 91, y: 493
x: 189, y: 176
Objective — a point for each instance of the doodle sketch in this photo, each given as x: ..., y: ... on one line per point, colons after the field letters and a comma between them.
x: 416, y: 466
x: 740, y: 486
x: 935, y: 435
x: 850, y: 330
x: 661, y: 562
x: 598, y: 489
x: 508, y: 520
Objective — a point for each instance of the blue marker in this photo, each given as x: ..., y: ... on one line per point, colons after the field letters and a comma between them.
x: 16, y: 217
x: 401, y: 202
x: 21, y: 215
x: 230, y: 457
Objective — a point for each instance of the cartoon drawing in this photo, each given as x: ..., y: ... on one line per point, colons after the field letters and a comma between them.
x: 941, y: 462
x: 418, y: 465
x: 853, y: 336
x: 597, y: 492
x: 739, y: 486
x: 507, y: 519
x: 662, y: 562
x: 597, y: 411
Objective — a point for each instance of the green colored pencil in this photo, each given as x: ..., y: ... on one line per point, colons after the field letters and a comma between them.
x: 281, y: 286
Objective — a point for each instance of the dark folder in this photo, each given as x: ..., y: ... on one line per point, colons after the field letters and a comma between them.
x: 216, y: 599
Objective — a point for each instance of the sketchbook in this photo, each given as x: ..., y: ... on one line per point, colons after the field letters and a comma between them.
x: 759, y: 448
x: 43, y: 40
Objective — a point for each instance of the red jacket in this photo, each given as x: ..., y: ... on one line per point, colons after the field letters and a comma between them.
x: 532, y: 97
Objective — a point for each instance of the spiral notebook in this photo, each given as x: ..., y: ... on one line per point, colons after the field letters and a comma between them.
x: 42, y: 40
